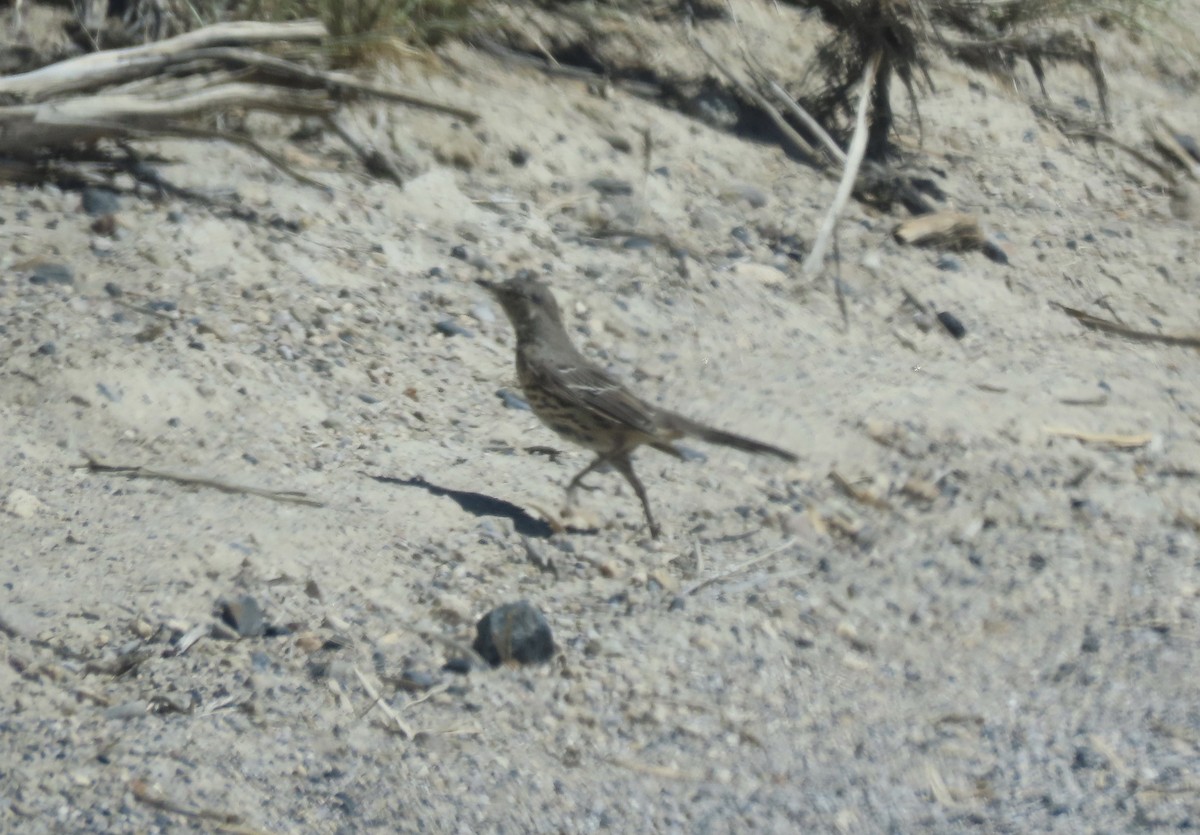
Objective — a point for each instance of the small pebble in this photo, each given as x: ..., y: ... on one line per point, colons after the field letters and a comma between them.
x: 950, y: 322
x: 518, y: 157
x: 47, y: 349
x: 244, y: 615
x: 100, y: 201
x: 458, y: 251
x: 512, y: 400
x: 949, y: 263
x: 611, y: 187
x: 415, y: 681
x: 52, y: 274
x: 448, y: 327
x: 514, y: 632
x: 113, y: 290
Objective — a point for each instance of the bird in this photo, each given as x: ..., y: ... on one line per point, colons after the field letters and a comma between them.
x: 583, y: 403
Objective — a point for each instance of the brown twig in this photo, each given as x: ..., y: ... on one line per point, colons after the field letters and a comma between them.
x: 94, y: 465
x: 1095, y: 322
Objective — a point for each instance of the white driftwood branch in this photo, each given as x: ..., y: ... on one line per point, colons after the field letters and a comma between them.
x: 25, y: 128
x: 98, y: 69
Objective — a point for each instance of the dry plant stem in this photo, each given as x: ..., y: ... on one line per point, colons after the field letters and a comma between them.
x: 838, y: 155
x: 152, y: 796
x: 373, y: 160
x: 334, y: 81
x: 98, y: 69
x: 246, y: 142
x: 802, y: 144
x: 739, y: 568
x: 854, y: 157
x: 1187, y: 340
x: 1096, y: 135
x: 94, y: 465
x: 398, y: 724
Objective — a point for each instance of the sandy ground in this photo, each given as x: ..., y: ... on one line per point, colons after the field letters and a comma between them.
x: 996, y: 632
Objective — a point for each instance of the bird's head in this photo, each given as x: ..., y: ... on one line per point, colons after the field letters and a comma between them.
x: 527, y: 302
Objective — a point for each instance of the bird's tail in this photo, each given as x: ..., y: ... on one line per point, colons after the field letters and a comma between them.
x: 687, y: 426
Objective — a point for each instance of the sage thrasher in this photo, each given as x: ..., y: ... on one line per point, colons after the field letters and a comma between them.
x: 585, y: 404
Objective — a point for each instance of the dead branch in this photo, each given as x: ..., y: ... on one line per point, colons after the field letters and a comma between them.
x: 166, y: 88
x: 101, y: 69
x: 55, y: 124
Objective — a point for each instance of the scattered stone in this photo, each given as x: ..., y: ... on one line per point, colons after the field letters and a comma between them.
x: 611, y: 186
x: 49, y: 273
x: 106, y: 225
x: 460, y: 252
x: 47, y: 349
x: 101, y: 246
x: 950, y: 322
x: 514, y: 632
x: 113, y: 290
x: 458, y: 666
x: 22, y: 504
x: 764, y: 273
x: 949, y: 263
x: 244, y: 615
x: 518, y: 157
x: 483, y: 313
x: 126, y: 711
x: 448, y: 327
x: 512, y: 400
x: 415, y: 681
x: 176, y: 216
x: 100, y: 201
x: 1188, y: 143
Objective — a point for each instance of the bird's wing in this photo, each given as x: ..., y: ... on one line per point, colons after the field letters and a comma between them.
x: 590, y: 387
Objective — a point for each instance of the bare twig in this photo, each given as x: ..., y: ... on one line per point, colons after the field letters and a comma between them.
x: 291, y: 496
x: 374, y: 160
x: 1102, y: 438
x: 154, y: 797
x: 803, y: 145
x: 834, y: 150
x: 739, y: 568
x: 858, y: 147
x: 1095, y: 322
x: 398, y: 724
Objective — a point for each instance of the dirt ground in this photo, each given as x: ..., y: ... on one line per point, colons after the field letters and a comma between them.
x: 993, y: 629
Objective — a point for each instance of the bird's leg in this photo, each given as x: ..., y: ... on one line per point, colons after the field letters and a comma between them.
x: 624, y: 465
x: 577, y: 480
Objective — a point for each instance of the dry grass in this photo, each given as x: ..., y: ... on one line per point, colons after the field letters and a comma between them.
x: 998, y: 35
x: 369, y: 31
